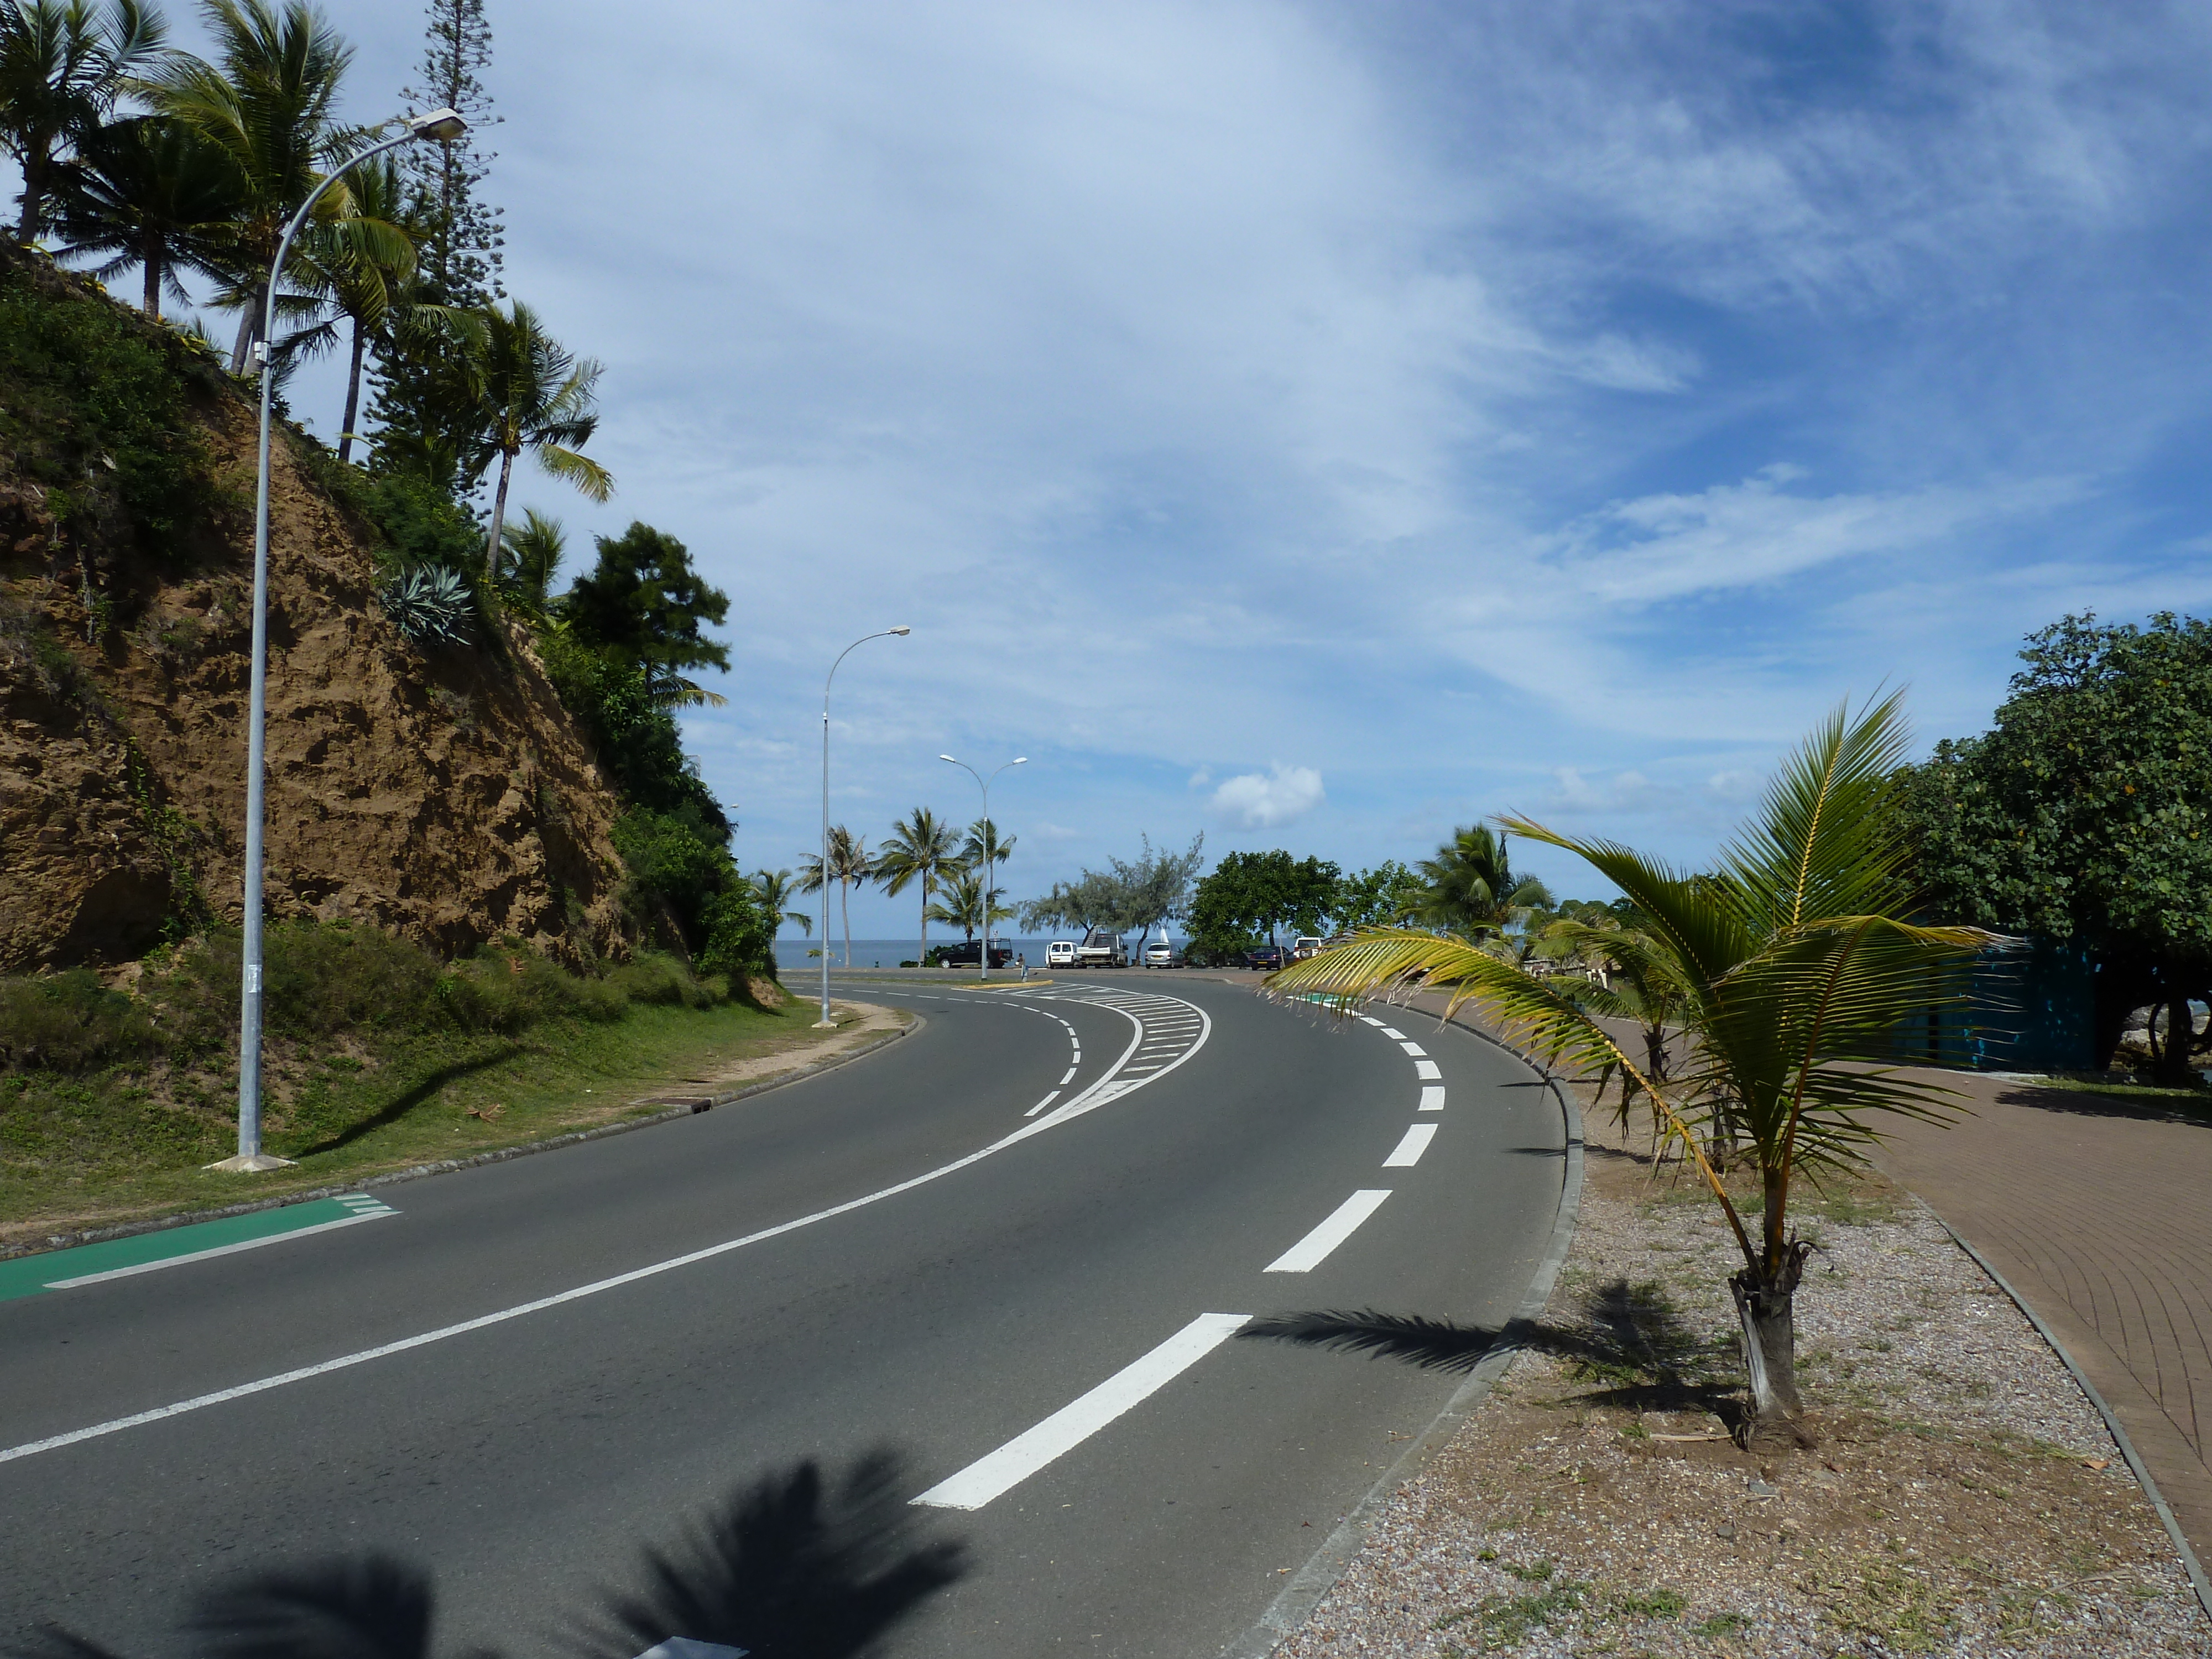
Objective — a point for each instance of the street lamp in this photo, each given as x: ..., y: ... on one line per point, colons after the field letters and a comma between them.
x: 825, y: 1022
x: 984, y: 784
x: 441, y: 127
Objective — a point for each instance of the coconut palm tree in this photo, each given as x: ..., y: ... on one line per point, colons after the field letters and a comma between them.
x: 918, y: 848
x: 148, y: 192
x: 962, y: 905
x: 63, y: 64
x: 1794, y: 968
x: 532, y: 552
x: 267, y: 102
x: 1472, y: 888
x: 529, y: 392
x: 775, y: 889
x: 363, y: 264
x: 849, y: 865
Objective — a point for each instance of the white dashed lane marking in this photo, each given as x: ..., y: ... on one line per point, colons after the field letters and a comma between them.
x: 1409, y: 1149
x: 1432, y: 1098
x: 1313, y: 1249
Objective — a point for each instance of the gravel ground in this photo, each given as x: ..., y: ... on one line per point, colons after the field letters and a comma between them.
x: 1964, y: 1499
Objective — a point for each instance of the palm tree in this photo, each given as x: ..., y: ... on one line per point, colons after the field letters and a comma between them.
x: 267, y: 103
x: 533, y: 549
x: 849, y: 864
x: 151, y: 192
x: 62, y: 65
x: 1794, y: 968
x: 1472, y: 888
x: 363, y: 264
x: 775, y: 889
x: 530, y: 392
x: 918, y: 848
x: 962, y: 905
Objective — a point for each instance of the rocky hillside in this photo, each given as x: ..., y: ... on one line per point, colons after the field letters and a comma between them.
x: 442, y: 793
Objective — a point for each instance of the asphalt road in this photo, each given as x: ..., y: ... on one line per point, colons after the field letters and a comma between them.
x: 1202, y: 1135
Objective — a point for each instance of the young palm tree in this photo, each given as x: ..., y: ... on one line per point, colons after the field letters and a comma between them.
x: 62, y: 65
x: 918, y: 848
x: 775, y: 889
x: 1794, y: 968
x: 530, y: 392
x: 962, y: 905
x: 849, y: 864
x: 151, y: 192
x: 363, y: 266
x: 532, y: 553
x: 1472, y: 888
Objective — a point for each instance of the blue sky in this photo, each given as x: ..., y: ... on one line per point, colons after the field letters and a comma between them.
x: 1318, y: 425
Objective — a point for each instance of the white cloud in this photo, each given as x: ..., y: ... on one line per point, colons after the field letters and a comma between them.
x: 1263, y: 801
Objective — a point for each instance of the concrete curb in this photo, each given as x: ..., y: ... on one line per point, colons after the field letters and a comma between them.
x: 2189, y: 1563
x: 446, y: 1166
x: 1334, y: 1558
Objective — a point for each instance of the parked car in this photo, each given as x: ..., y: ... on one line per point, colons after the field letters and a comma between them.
x: 1303, y: 950
x: 1267, y: 958
x: 968, y: 953
x: 1162, y: 953
x: 1060, y: 953
x: 1101, y: 949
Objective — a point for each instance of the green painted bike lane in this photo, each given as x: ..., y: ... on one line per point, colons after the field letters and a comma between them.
x: 119, y: 1258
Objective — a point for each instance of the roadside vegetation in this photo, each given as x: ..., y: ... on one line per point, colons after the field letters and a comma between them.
x: 379, y: 1055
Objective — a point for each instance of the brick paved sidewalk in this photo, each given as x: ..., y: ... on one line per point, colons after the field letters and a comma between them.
x: 2100, y: 1215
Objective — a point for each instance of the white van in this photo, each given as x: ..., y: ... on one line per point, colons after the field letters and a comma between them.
x: 1060, y: 953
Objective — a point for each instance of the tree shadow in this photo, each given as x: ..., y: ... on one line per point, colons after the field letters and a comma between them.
x: 799, y: 1564
x: 2174, y: 1109
x: 1630, y: 1342
x: 407, y: 1101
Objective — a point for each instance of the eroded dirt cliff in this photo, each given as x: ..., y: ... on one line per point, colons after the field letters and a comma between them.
x: 443, y: 793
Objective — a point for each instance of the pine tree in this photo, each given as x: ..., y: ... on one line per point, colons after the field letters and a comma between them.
x: 461, y: 258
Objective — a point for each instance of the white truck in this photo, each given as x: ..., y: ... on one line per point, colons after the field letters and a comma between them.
x: 1101, y: 949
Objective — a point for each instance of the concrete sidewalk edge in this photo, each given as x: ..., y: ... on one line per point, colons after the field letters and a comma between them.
x: 1334, y: 1558
x: 2189, y: 1563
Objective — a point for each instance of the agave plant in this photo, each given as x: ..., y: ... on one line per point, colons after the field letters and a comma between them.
x: 430, y: 606
x: 1792, y: 967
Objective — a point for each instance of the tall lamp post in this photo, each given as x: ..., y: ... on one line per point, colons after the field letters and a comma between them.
x: 442, y: 125
x: 901, y: 630
x: 984, y: 784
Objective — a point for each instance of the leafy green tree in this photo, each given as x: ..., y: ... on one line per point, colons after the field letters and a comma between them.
x: 1472, y: 888
x: 850, y: 865
x: 531, y: 393
x: 462, y: 236
x: 775, y: 890
x: 632, y: 733
x: 1794, y: 968
x: 1388, y: 896
x: 962, y: 904
x: 1256, y: 895
x: 1155, y: 887
x: 644, y: 605
x: 63, y: 64
x: 148, y: 192
x: 268, y: 102
x: 2085, y: 815
x: 918, y: 850
x: 1094, y: 899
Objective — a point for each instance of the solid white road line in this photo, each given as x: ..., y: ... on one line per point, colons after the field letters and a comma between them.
x: 1076, y: 1422
x: 1413, y: 1049
x: 361, y: 1214
x: 1432, y: 1098
x: 1427, y: 1070
x: 1313, y: 1249
x: 1409, y: 1151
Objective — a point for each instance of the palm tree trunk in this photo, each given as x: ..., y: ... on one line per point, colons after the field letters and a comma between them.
x: 1766, y: 1295
x: 32, y: 218
x: 352, y: 393
x: 149, y: 255
x: 498, y: 525
x: 249, y: 330
x: 845, y: 909
x: 922, y: 951
x: 2173, y: 1067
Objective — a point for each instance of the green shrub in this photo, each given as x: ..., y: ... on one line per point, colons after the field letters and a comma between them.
x: 657, y: 979
x: 68, y: 1022
x: 421, y: 524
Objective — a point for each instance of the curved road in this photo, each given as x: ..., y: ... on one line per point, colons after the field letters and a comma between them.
x: 993, y: 1247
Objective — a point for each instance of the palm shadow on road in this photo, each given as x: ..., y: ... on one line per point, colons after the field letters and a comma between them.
x: 1629, y: 1340
x: 798, y: 1563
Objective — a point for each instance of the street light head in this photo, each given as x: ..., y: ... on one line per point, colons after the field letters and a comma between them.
x: 443, y: 124
x: 902, y: 629
x: 948, y: 758
x: 1020, y: 760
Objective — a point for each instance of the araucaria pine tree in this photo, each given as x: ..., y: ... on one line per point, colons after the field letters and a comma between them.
x: 461, y: 258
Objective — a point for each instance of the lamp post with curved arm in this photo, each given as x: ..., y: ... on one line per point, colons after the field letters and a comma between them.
x: 983, y: 784
x: 901, y: 630
x: 443, y: 126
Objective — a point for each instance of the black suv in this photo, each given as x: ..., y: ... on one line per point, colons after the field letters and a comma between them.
x: 970, y: 954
